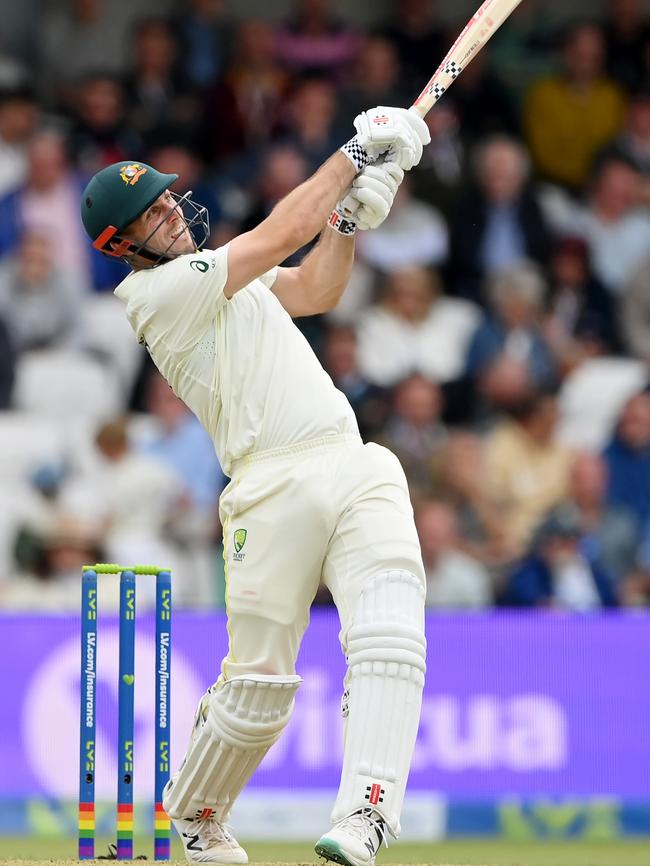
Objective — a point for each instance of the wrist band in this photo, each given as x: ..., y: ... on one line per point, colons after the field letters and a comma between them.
x: 341, y: 225
x: 355, y: 153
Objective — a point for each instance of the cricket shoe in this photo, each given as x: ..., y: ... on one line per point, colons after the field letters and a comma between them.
x: 355, y: 840
x: 207, y: 840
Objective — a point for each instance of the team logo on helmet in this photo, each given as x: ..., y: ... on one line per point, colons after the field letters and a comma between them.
x: 131, y: 174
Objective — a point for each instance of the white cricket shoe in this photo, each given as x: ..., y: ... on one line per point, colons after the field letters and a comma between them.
x: 206, y: 840
x: 355, y: 840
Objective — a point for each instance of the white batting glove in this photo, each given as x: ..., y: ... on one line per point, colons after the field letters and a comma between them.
x: 398, y: 133
x: 369, y: 200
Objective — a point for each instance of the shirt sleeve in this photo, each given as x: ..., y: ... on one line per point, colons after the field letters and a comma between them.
x: 269, y: 277
x: 183, y: 299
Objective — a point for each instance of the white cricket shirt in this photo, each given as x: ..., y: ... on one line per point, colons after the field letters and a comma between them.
x: 240, y: 365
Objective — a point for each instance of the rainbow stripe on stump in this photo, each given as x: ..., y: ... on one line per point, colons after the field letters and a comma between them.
x: 162, y: 834
x: 86, y: 831
x: 125, y: 831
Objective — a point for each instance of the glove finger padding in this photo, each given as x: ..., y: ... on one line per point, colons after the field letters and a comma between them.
x: 378, y: 188
x: 388, y: 174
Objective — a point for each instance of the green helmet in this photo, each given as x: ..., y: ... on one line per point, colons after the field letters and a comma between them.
x: 116, y: 196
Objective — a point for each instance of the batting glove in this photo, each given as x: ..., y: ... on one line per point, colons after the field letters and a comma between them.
x: 398, y: 133
x: 369, y: 200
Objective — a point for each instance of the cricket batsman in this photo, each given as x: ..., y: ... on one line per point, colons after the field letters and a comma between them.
x: 307, y: 501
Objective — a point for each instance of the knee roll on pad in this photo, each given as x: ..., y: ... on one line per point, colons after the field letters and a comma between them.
x: 236, y: 724
x: 386, y: 653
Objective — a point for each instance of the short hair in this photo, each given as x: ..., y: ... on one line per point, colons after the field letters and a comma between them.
x: 523, y: 280
x: 499, y: 140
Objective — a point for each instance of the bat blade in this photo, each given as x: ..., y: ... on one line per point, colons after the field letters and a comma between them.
x: 479, y: 29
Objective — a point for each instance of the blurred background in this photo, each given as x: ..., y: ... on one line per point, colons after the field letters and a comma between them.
x: 495, y: 334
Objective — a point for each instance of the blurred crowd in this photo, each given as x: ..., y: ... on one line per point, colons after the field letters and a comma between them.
x: 495, y: 333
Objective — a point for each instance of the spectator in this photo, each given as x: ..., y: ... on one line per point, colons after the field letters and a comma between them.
x: 521, y: 49
x: 76, y: 37
x: 457, y: 474
x: 514, y: 325
x: 415, y: 432
x: 242, y: 111
x: 499, y: 223
x: 313, y: 40
x: 309, y: 121
x: 158, y: 95
x: 569, y: 117
x: 413, y: 234
x: 371, y: 403
x: 374, y: 79
x: 181, y: 444
x: 415, y: 329
x: 633, y: 142
x: 174, y: 157
x: 576, y: 297
x: 61, y: 547
x: 205, y: 36
x: 48, y: 204
x: 627, y: 31
x: 628, y: 459
x: 593, y: 393
x: 635, y: 313
x: 39, y: 302
x: 615, y: 225
x: 526, y: 469
x: 7, y: 366
x: 503, y: 384
x: 18, y: 118
x: 138, y: 499
x: 419, y: 39
x: 282, y: 169
x: 484, y: 106
x: 556, y: 574
x: 609, y: 534
x: 455, y: 580
x: 442, y: 176
x: 100, y: 135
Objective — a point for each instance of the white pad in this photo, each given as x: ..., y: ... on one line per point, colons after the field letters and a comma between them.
x: 236, y: 724
x: 386, y: 652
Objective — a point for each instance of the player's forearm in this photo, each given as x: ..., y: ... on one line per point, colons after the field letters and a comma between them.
x: 325, y: 272
x: 301, y: 215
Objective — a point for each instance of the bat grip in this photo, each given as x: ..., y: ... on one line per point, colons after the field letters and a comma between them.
x: 420, y: 109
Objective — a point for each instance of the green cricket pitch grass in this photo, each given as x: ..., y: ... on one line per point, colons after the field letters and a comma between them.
x: 31, y: 851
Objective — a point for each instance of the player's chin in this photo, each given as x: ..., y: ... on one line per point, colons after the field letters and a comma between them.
x: 182, y: 245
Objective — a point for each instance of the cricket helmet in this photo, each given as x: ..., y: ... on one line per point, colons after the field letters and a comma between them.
x: 118, y: 194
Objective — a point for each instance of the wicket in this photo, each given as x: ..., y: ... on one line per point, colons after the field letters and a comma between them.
x: 126, y: 721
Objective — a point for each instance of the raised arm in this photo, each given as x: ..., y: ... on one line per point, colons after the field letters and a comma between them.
x: 293, y: 222
x: 316, y: 285
x: 298, y: 218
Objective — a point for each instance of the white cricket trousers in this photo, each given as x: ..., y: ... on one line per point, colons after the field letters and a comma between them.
x: 331, y: 509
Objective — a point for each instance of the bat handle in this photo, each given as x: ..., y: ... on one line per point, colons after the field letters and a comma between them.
x: 420, y: 109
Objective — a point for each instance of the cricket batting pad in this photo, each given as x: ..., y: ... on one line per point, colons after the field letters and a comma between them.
x: 236, y: 724
x: 386, y: 652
